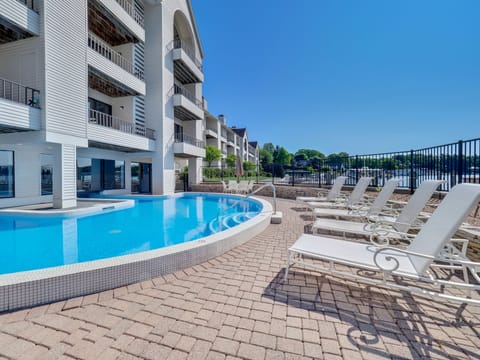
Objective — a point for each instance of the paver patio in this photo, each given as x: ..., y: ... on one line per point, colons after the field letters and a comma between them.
x: 235, y: 306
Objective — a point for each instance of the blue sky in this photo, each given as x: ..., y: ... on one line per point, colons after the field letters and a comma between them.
x: 344, y: 75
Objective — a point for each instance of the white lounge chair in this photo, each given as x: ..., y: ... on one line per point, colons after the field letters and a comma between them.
x: 355, y: 197
x: 364, y: 210
x: 243, y: 187
x: 251, y: 183
x: 386, y: 227
x: 332, y: 194
x: 232, y: 186
x: 414, y: 263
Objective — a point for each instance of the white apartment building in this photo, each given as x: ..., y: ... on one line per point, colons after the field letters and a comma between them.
x: 97, y: 96
x: 229, y: 140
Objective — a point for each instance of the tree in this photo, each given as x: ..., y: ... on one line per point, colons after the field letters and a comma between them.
x: 317, y: 161
x: 269, y: 147
x: 337, y: 160
x: 231, y: 160
x: 281, y: 156
x: 248, y: 166
x: 300, y: 157
x: 212, y: 154
x: 266, y: 158
x: 310, y: 153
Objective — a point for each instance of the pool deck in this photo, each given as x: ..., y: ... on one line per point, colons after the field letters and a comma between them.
x: 235, y: 307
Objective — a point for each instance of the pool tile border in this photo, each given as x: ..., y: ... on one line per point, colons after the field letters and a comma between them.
x: 38, y: 287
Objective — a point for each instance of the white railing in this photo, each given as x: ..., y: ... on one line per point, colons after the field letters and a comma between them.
x: 104, y: 49
x: 112, y: 122
x: 182, y: 138
x: 130, y: 9
x: 179, y: 44
x: 180, y: 90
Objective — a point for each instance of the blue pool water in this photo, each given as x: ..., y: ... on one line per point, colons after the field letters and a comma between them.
x: 29, y: 243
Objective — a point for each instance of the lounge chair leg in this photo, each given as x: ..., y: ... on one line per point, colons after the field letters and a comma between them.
x: 288, y: 267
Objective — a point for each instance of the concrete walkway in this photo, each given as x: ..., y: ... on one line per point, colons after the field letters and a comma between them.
x: 235, y: 307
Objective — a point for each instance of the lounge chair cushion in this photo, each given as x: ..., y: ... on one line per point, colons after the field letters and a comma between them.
x: 350, y: 253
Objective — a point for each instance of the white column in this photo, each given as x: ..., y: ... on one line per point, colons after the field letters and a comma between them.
x: 195, y: 175
x: 65, y: 176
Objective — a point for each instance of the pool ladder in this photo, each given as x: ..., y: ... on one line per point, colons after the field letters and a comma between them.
x: 274, y: 198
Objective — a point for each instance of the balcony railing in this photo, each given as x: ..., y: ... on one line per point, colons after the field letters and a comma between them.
x: 104, y: 49
x: 29, y: 3
x: 182, y: 138
x: 180, y: 90
x: 130, y: 9
x: 179, y: 44
x: 112, y: 122
x: 12, y: 91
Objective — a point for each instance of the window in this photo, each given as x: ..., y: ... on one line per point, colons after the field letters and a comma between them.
x: 47, y: 174
x: 7, y: 189
x: 113, y: 174
x: 178, y: 133
x: 99, y: 106
x: 84, y: 174
x: 97, y: 174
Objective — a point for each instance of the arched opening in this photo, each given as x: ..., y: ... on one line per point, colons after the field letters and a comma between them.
x: 183, y: 32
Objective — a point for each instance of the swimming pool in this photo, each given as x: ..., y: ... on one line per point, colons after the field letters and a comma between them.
x: 32, y: 243
x: 124, y: 242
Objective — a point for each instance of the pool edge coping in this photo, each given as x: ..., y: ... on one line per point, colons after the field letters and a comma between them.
x: 15, y: 288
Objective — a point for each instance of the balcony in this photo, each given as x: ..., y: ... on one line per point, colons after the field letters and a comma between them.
x: 19, y: 107
x: 211, y: 133
x: 188, y: 146
x: 110, y: 65
x: 188, y: 68
x: 186, y: 105
x: 117, y: 133
x: 123, y: 15
x: 230, y: 143
x: 19, y: 20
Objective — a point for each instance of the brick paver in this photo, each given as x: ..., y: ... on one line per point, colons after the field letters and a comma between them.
x: 236, y: 307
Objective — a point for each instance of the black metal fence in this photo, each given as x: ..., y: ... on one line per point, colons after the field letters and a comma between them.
x: 455, y: 163
x: 223, y: 172
x: 13, y: 91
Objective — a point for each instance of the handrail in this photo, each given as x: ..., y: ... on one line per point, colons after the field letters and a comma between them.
x: 179, y: 44
x: 13, y: 91
x: 130, y: 9
x: 104, y: 49
x: 182, y: 138
x: 180, y: 90
x: 109, y: 121
x: 274, y: 197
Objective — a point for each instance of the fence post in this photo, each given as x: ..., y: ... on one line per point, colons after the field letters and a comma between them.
x: 460, y: 162
x: 293, y: 177
x: 273, y: 173
x: 412, y: 180
x: 319, y: 176
x: 357, y: 172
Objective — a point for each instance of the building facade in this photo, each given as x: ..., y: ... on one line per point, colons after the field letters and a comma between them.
x: 229, y: 140
x: 97, y: 96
